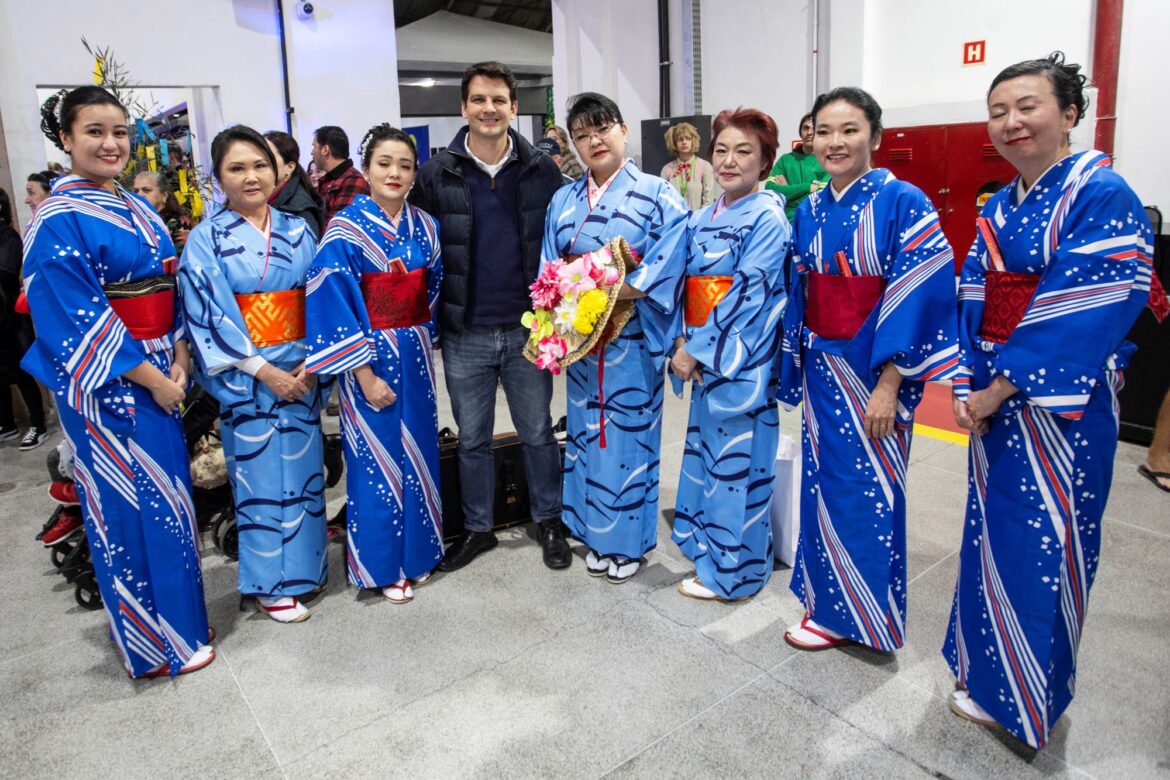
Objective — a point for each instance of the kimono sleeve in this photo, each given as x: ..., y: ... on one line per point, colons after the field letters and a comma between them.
x: 916, y: 326
x: 180, y: 330
x: 434, y: 278
x: 78, y: 333
x: 791, y: 389
x: 741, y: 332
x: 1090, y: 294
x: 971, y: 296
x: 336, y: 326
x: 215, y: 327
x: 661, y: 273
x: 548, y: 242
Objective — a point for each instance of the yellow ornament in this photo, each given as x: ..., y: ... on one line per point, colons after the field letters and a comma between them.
x: 590, y: 306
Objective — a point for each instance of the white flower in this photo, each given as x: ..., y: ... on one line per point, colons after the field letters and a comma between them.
x: 564, y: 314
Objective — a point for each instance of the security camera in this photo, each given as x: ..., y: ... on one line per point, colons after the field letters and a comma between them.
x: 305, y: 10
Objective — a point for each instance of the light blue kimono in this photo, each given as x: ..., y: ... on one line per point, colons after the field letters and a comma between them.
x: 395, y: 520
x: 130, y: 461
x: 722, y: 519
x: 273, y: 447
x: 611, y: 494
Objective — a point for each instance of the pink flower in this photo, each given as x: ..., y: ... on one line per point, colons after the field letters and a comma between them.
x: 599, y: 263
x: 545, y: 294
x: 574, y: 277
x: 611, y: 276
x: 549, y: 351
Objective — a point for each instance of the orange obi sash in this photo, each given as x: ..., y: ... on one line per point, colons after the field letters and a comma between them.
x: 274, y: 317
x: 396, y: 300
x: 839, y: 305
x: 1007, y: 296
x: 703, y: 294
x: 145, y: 306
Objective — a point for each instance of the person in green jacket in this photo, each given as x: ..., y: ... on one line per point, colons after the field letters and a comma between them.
x: 797, y: 173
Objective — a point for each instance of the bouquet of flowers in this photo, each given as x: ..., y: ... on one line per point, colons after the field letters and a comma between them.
x: 575, y: 305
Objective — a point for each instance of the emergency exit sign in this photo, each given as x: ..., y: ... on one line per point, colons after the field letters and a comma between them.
x: 974, y: 52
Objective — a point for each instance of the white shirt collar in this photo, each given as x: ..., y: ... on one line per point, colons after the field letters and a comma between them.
x: 491, y: 169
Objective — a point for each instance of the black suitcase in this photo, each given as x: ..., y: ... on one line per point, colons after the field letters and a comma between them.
x: 511, y: 500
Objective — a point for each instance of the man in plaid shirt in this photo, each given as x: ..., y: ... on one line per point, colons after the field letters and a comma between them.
x: 342, y: 181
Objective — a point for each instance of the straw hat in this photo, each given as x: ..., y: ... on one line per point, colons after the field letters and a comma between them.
x: 615, y: 317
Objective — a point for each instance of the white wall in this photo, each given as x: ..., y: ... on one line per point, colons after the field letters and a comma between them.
x: 756, y: 54
x: 343, y: 68
x: 611, y: 47
x: 229, y: 46
x: 913, y: 48
x: 908, y: 53
x: 1143, y: 110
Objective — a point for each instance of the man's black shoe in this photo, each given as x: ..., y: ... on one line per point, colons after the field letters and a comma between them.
x: 552, y: 541
x: 464, y: 551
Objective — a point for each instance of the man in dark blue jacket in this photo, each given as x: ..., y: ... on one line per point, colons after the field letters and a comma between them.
x: 489, y: 190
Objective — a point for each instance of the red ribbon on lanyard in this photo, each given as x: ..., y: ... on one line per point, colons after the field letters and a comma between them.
x: 600, y: 386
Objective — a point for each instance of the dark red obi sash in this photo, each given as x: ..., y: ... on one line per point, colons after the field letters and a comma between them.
x: 396, y: 300
x: 703, y: 294
x: 145, y: 306
x: 839, y: 305
x: 1007, y: 296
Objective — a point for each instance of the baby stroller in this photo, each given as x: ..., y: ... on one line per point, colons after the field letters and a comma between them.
x: 210, y: 488
x: 64, y: 532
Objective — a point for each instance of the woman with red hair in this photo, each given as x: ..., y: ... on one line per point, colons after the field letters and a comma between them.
x: 731, y: 284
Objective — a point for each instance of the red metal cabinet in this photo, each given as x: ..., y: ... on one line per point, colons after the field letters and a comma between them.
x: 951, y: 164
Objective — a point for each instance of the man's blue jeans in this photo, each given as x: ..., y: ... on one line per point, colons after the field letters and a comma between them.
x: 475, y: 361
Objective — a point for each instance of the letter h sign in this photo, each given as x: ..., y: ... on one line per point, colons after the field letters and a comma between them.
x: 974, y: 52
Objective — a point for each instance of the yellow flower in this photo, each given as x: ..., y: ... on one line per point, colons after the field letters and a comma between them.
x: 590, y: 306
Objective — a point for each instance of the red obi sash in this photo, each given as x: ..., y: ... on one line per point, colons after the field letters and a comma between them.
x: 274, y: 317
x: 1006, y: 300
x: 839, y: 305
x: 145, y: 306
x: 703, y: 294
x: 396, y: 300
x: 147, y: 316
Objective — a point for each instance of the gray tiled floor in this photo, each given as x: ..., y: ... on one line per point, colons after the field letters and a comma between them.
x: 509, y: 669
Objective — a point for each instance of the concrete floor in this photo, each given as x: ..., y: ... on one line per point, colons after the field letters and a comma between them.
x: 509, y: 669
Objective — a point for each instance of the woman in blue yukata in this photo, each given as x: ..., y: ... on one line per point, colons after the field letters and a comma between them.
x: 1060, y: 270
x: 99, y: 270
x: 870, y: 319
x: 373, y: 289
x: 727, y: 348
x: 243, y: 278
x: 614, y: 394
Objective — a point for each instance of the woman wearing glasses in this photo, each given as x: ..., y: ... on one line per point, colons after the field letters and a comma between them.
x: 615, y: 394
